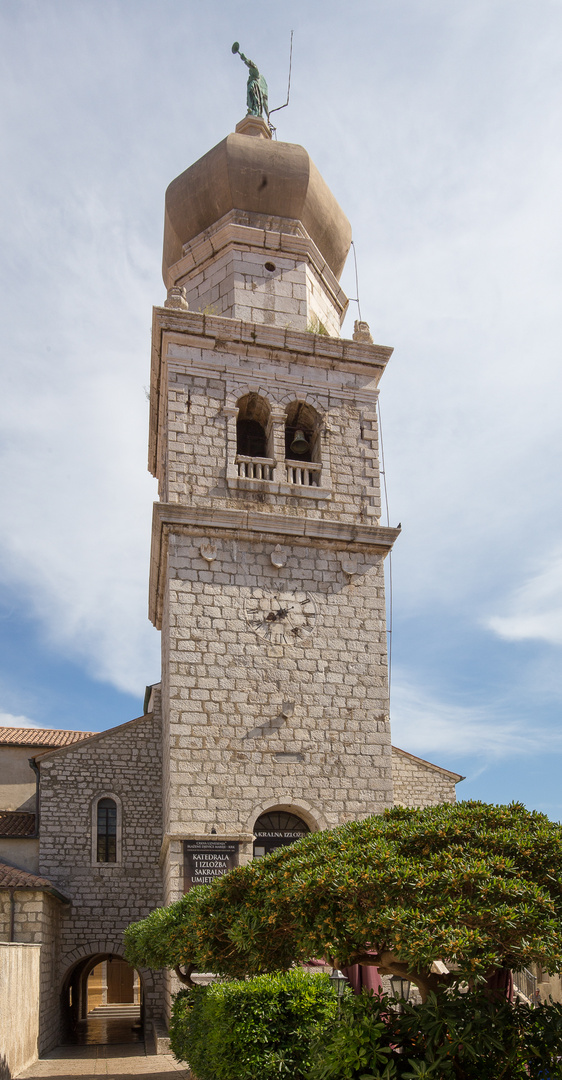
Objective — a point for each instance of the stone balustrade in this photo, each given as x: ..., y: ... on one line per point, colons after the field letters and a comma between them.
x: 255, y: 468
x: 304, y: 473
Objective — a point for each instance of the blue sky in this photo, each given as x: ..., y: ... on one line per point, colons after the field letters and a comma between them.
x: 437, y: 126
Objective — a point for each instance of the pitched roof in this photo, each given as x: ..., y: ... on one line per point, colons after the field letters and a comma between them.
x: 429, y: 764
x: 92, y: 737
x: 16, y: 823
x: 13, y: 736
x: 12, y: 878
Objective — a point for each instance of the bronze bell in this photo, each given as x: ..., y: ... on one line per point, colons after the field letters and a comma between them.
x: 300, y: 443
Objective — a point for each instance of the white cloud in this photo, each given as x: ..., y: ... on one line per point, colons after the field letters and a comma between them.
x: 7, y: 720
x: 426, y: 725
x: 535, y: 608
x: 76, y: 495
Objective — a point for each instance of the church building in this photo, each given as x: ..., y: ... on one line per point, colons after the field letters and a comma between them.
x: 266, y: 580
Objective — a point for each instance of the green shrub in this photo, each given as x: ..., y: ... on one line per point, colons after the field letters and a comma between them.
x: 286, y: 1026
x: 260, y: 1028
x: 451, y: 1037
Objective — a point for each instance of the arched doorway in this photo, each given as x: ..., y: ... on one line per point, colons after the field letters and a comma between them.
x: 102, y: 1002
x: 277, y: 828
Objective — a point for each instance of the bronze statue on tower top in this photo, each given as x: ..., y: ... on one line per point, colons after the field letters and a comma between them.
x: 256, y: 96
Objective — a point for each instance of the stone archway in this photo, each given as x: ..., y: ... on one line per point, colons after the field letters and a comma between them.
x: 312, y: 816
x: 122, y: 1021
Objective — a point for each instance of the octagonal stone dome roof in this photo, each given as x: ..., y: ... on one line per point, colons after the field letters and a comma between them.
x: 254, y: 175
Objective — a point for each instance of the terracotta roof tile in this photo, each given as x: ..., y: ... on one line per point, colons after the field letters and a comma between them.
x: 13, y: 736
x: 12, y: 878
x: 16, y: 823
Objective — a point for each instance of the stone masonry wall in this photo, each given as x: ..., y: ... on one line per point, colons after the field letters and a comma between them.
x: 419, y: 783
x: 320, y: 309
x: 127, y: 763
x: 277, y: 298
x: 36, y: 922
x: 204, y: 385
x: 232, y: 751
x: 246, y: 267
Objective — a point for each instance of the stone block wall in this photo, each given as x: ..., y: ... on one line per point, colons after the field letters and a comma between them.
x: 320, y: 310
x: 125, y: 762
x: 238, y: 285
x: 419, y: 783
x: 36, y: 922
x: 255, y: 720
x: 211, y: 365
x: 263, y: 270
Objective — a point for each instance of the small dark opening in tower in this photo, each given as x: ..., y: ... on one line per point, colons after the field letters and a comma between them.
x: 251, y: 439
x: 252, y: 426
x: 270, y: 266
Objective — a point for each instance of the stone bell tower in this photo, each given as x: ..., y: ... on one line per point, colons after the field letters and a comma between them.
x: 267, y: 552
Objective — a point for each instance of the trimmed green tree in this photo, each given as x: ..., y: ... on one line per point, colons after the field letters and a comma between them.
x: 263, y: 1027
x: 470, y: 888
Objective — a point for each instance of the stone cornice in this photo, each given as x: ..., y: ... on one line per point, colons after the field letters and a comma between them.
x: 220, y: 331
x: 173, y: 518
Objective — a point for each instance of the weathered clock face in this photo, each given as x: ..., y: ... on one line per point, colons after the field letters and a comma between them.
x: 281, y: 617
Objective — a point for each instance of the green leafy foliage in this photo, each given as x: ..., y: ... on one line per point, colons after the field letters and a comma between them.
x: 263, y: 1027
x: 165, y: 937
x: 474, y: 885
x: 453, y: 1036
x: 286, y: 1025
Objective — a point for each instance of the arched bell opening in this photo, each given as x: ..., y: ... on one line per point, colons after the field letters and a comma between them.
x: 277, y: 828
x: 302, y: 433
x: 102, y: 1001
x: 253, y: 427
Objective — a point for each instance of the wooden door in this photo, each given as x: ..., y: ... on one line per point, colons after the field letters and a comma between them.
x: 120, y: 982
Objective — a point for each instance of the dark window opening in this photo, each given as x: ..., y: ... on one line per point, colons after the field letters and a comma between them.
x: 277, y: 829
x: 252, y: 427
x: 251, y: 440
x: 107, y: 831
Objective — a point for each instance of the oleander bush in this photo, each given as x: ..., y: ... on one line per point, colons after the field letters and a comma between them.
x: 453, y: 1036
x: 259, y: 1029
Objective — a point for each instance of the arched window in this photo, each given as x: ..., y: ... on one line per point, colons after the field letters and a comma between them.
x: 277, y: 829
x: 107, y: 831
x: 253, y: 427
x: 106, y: 828
x: 302, y: 429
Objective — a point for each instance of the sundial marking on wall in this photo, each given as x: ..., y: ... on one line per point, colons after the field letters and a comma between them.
x: 281, y: 617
